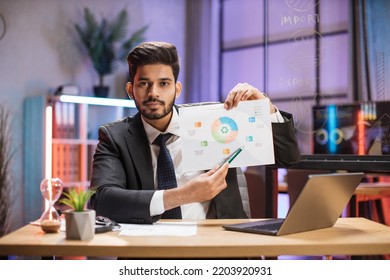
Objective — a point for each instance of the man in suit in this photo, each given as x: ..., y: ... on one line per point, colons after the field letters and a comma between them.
x: 125, y: 161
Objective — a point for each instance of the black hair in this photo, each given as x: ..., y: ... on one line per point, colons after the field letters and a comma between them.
x: 153, y: 53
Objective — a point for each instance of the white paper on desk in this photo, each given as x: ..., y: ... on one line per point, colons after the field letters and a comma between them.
x: 159, y: 229
x: 210, y: 133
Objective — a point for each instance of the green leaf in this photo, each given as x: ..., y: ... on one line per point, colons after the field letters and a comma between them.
x: 105, y: 41
x: 118, y: 28
x: 77, y: 198
x: 135, y: 39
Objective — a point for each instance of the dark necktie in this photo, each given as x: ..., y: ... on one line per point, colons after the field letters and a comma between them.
x: 166, y: 178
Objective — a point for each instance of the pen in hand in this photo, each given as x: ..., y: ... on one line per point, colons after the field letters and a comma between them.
x: 231, y: 157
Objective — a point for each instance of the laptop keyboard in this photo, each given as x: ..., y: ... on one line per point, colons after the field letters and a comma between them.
x: 271, y: 227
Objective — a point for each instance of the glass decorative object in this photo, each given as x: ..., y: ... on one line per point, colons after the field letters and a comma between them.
x: 51, y: 190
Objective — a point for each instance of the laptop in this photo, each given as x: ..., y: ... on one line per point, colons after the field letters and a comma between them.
x: 319, y: 205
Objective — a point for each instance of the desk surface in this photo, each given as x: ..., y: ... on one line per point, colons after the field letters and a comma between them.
x: 350, y: 236
x: 377, y: 188
x: 380, y: 189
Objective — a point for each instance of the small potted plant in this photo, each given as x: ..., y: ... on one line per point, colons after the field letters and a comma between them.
x: 80, y: 221
x: 106, y: 44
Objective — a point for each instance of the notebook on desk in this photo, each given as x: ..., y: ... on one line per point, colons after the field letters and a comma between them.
x: 319, y: 205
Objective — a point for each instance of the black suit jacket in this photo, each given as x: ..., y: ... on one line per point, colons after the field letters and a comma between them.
x: 122, y: 172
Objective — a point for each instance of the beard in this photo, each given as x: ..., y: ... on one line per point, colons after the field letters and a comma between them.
x: 155, y: 114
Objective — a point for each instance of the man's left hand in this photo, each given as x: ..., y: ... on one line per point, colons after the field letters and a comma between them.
x: 242, y: 92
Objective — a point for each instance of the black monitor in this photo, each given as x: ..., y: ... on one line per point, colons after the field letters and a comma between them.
x: 352, y: 129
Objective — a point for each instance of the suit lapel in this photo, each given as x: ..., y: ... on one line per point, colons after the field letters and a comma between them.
x: 138, y: 146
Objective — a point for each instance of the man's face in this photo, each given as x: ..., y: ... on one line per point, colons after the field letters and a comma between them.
x: 154, y: 91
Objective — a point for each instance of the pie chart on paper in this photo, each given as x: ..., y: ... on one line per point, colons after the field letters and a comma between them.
x: 224, y: 130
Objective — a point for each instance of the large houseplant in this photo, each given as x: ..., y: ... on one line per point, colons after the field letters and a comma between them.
x: 80, y: 222
x: 106, y: 43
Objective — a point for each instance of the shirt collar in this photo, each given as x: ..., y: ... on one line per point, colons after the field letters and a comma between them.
x: 173, y: 127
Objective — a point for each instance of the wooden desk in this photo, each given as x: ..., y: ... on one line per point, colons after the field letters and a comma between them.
x: 365, y: 191
x: 350, y: 236
x: 369, y: 192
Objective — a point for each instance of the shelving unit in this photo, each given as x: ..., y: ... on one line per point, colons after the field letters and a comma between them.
x: 60, y: 136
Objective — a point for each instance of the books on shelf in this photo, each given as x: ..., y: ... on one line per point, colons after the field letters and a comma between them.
x: 66, y: 160
x: 64, y: 120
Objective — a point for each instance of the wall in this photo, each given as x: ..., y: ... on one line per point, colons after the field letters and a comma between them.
x: 41, y: 51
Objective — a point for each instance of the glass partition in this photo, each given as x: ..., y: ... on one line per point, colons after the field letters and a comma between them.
x: 309, y: 57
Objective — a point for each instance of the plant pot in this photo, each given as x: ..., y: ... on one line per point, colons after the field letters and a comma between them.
x: 101, y: 91
x: 80, y: 225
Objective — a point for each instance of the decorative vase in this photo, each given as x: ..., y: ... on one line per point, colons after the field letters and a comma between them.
x: 80, y: 225
x: 101, y: 91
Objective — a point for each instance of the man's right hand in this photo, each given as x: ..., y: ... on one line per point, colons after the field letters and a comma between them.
x: 201, y: 188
